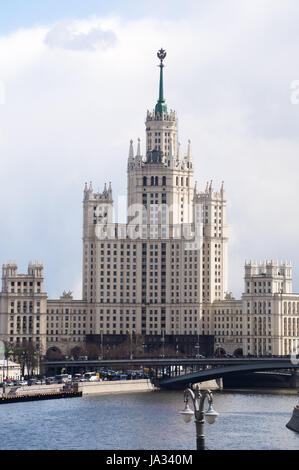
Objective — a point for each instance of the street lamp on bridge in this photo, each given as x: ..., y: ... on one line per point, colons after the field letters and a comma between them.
x: 197, y: 347
x: 130, y: 333
x: 163, y: 343
x: 198, y: 398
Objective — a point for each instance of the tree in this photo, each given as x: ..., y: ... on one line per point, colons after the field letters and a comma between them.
x: 27, y: 354
x: 92, y: 351
x: 78, y: 351
x: 32, y: 356
x: 139, y: 345
x: 54, y: 354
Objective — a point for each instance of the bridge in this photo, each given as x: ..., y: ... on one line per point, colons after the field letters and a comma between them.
x: 71, y: 365
x: 175, y: 372
x: 180, y: 381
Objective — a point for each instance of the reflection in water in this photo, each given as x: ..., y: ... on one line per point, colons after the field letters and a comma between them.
x: 148, y: 421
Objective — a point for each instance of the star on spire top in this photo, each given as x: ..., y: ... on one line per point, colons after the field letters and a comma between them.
x: 161, y: 54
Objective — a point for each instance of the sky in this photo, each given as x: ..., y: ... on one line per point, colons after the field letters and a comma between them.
x: 76, y: 80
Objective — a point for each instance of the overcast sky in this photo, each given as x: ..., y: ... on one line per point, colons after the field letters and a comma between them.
x: 76, y: 80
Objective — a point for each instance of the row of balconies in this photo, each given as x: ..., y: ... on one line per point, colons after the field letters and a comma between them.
x: 25, y: 311
x: 24, y: 293
x: 24, y: 331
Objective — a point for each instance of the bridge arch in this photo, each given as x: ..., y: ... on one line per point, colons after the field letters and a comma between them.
x: 243, y: 367
x: 54, y: 353
x: 238, y: 352
x: 220, y: 352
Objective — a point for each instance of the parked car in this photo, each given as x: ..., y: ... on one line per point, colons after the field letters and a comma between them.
x: 32, y: 382
x: 50, y: 380
x: 77, y: 377
x: 6, y: 384
x: 23, y: 383
x: 111, y: 374
x: 91, y: 376
x: 63, y: 378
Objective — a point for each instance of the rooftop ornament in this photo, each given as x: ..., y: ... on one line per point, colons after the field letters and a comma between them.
x: 161, y: 106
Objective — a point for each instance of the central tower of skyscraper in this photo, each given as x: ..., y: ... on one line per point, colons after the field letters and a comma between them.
x: 163, y: 176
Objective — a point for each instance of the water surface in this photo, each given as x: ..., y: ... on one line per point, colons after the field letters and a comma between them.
x: 148, y: 421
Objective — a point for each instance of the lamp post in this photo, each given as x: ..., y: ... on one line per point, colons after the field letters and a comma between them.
x: 197, y: 347
x: 131, y: 345
x: 130, y: 333
x: 217, y: 350
x: 198, y: 398
x: 163, y: 343
x: 102, y: 346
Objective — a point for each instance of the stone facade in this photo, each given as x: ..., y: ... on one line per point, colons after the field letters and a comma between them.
x: 23, y: 304
x: 164, y: 272
x: 266, y: 319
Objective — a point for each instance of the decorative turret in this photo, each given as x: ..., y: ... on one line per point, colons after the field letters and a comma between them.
x: 222, y: 191
x: 110, y: 191
x: 268, y: 277
x: 131, y: 160
x: 105, y: 196
x: 139, y: 156
x: 36, y: 269
x: 131, y: 151
x: 9, y: 269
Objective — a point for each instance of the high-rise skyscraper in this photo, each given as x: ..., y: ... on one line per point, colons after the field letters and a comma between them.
x: 154, y: 272
x: 161, y: 274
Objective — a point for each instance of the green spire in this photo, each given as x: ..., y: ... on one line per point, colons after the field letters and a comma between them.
x: 161, y: 106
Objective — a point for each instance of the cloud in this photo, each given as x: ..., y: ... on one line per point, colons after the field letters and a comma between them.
x: 68, y: 118
x: 66, y: 35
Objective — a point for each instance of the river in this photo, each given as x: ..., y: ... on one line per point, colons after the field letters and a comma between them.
x: 148, y: 421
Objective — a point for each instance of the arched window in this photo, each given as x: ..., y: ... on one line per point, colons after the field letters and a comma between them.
x: 182, y: 181
x: 177, y: 180
x: 164, y: 181
x: 187, y: 181
x: 152, y: 181
x: 144, y: 181
x: 157, y: 181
